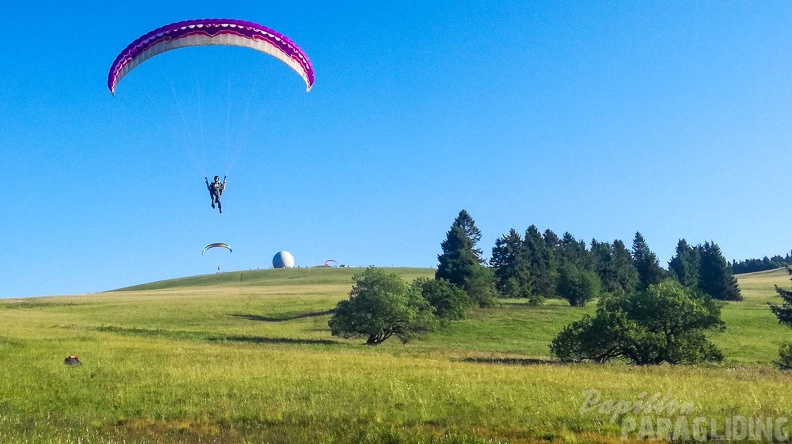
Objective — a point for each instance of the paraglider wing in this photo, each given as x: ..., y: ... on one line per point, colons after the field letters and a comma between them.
x: 200, y: 32
x: 327, y: 263
x: 216, y: 245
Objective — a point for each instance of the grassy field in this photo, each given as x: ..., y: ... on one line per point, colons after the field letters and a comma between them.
x: 248, y: 357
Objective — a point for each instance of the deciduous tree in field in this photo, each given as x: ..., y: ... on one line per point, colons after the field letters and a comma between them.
x: 576, y: 285
x: 480, y: 287
x: 450, y: 303
x: 664, y: 323
x: 382, y: 305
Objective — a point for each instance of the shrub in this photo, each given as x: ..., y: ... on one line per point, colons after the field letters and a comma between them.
x: 382, y: 305
x: 449, y: 302
x: 664, y: 323
x: 576, y: 285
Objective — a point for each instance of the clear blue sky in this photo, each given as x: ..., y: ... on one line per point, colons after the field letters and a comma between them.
x: 671, y: 118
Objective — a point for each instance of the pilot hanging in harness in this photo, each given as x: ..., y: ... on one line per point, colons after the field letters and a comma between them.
x: 216, y: 190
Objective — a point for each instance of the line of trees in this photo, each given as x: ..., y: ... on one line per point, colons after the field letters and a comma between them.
x: 540, y: 265
x: 763, y: 264
x: 646, y: 314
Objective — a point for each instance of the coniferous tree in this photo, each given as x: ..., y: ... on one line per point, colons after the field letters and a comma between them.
x: 649, y: 270
x: 510, y: 265
x: 685, y: 264
x: 551, y: 239
x: 715, y: 277
x: 784, y: 314
x: 574, y: 251
x: 467, y: 223
x: 460, y: 254
x: 461, y: 264
x: 626, y: 274
x: 602, y: 262
x: 552, y: 242
x: 501, y: 259
x: 540, y: 263
x: 784, y: 311
x: 458, y: 259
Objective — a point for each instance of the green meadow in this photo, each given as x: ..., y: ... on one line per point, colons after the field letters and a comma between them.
x: 247, y: 357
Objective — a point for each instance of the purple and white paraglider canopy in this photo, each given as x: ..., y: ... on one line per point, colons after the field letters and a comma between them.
x: 200, y: 32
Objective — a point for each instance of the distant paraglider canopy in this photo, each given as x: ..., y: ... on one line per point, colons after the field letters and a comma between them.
x: 328, y: 263
x: 216, y: 245
x: 201, y: 32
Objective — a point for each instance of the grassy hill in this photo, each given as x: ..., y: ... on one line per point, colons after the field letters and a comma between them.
x: 275, y: 277
x: 248, y: 357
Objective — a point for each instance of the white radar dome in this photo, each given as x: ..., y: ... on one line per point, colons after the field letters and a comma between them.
x: 283, y: 259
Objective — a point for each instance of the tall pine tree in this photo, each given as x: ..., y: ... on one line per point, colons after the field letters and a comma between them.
x: 626, y: 274
x: 715, y: 277
x: 685, y: 264
x: 540, y: 263
x: 510, y: 265
x: 649, y: 270
x: 602, y: 260
x: 573, y: 251
x: 784, y: 314
x: 461, y: 264
x: 551, y: 239
x: 456, y: 262
x: 466, y: 222
x: 784, y: 311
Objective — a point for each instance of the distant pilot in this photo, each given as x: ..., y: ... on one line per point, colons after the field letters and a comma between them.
x: 216, y: 190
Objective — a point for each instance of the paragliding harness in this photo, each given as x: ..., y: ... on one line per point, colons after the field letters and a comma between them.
x: 215, y: 191
x: 72, y: 360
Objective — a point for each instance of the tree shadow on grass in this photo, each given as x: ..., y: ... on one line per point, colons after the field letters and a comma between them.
x: 514, y: 302
x: 14, y: 303
x: 266, y: 340
x: 211, y: 337
x: 511, y: 361
x: 252, y: 317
